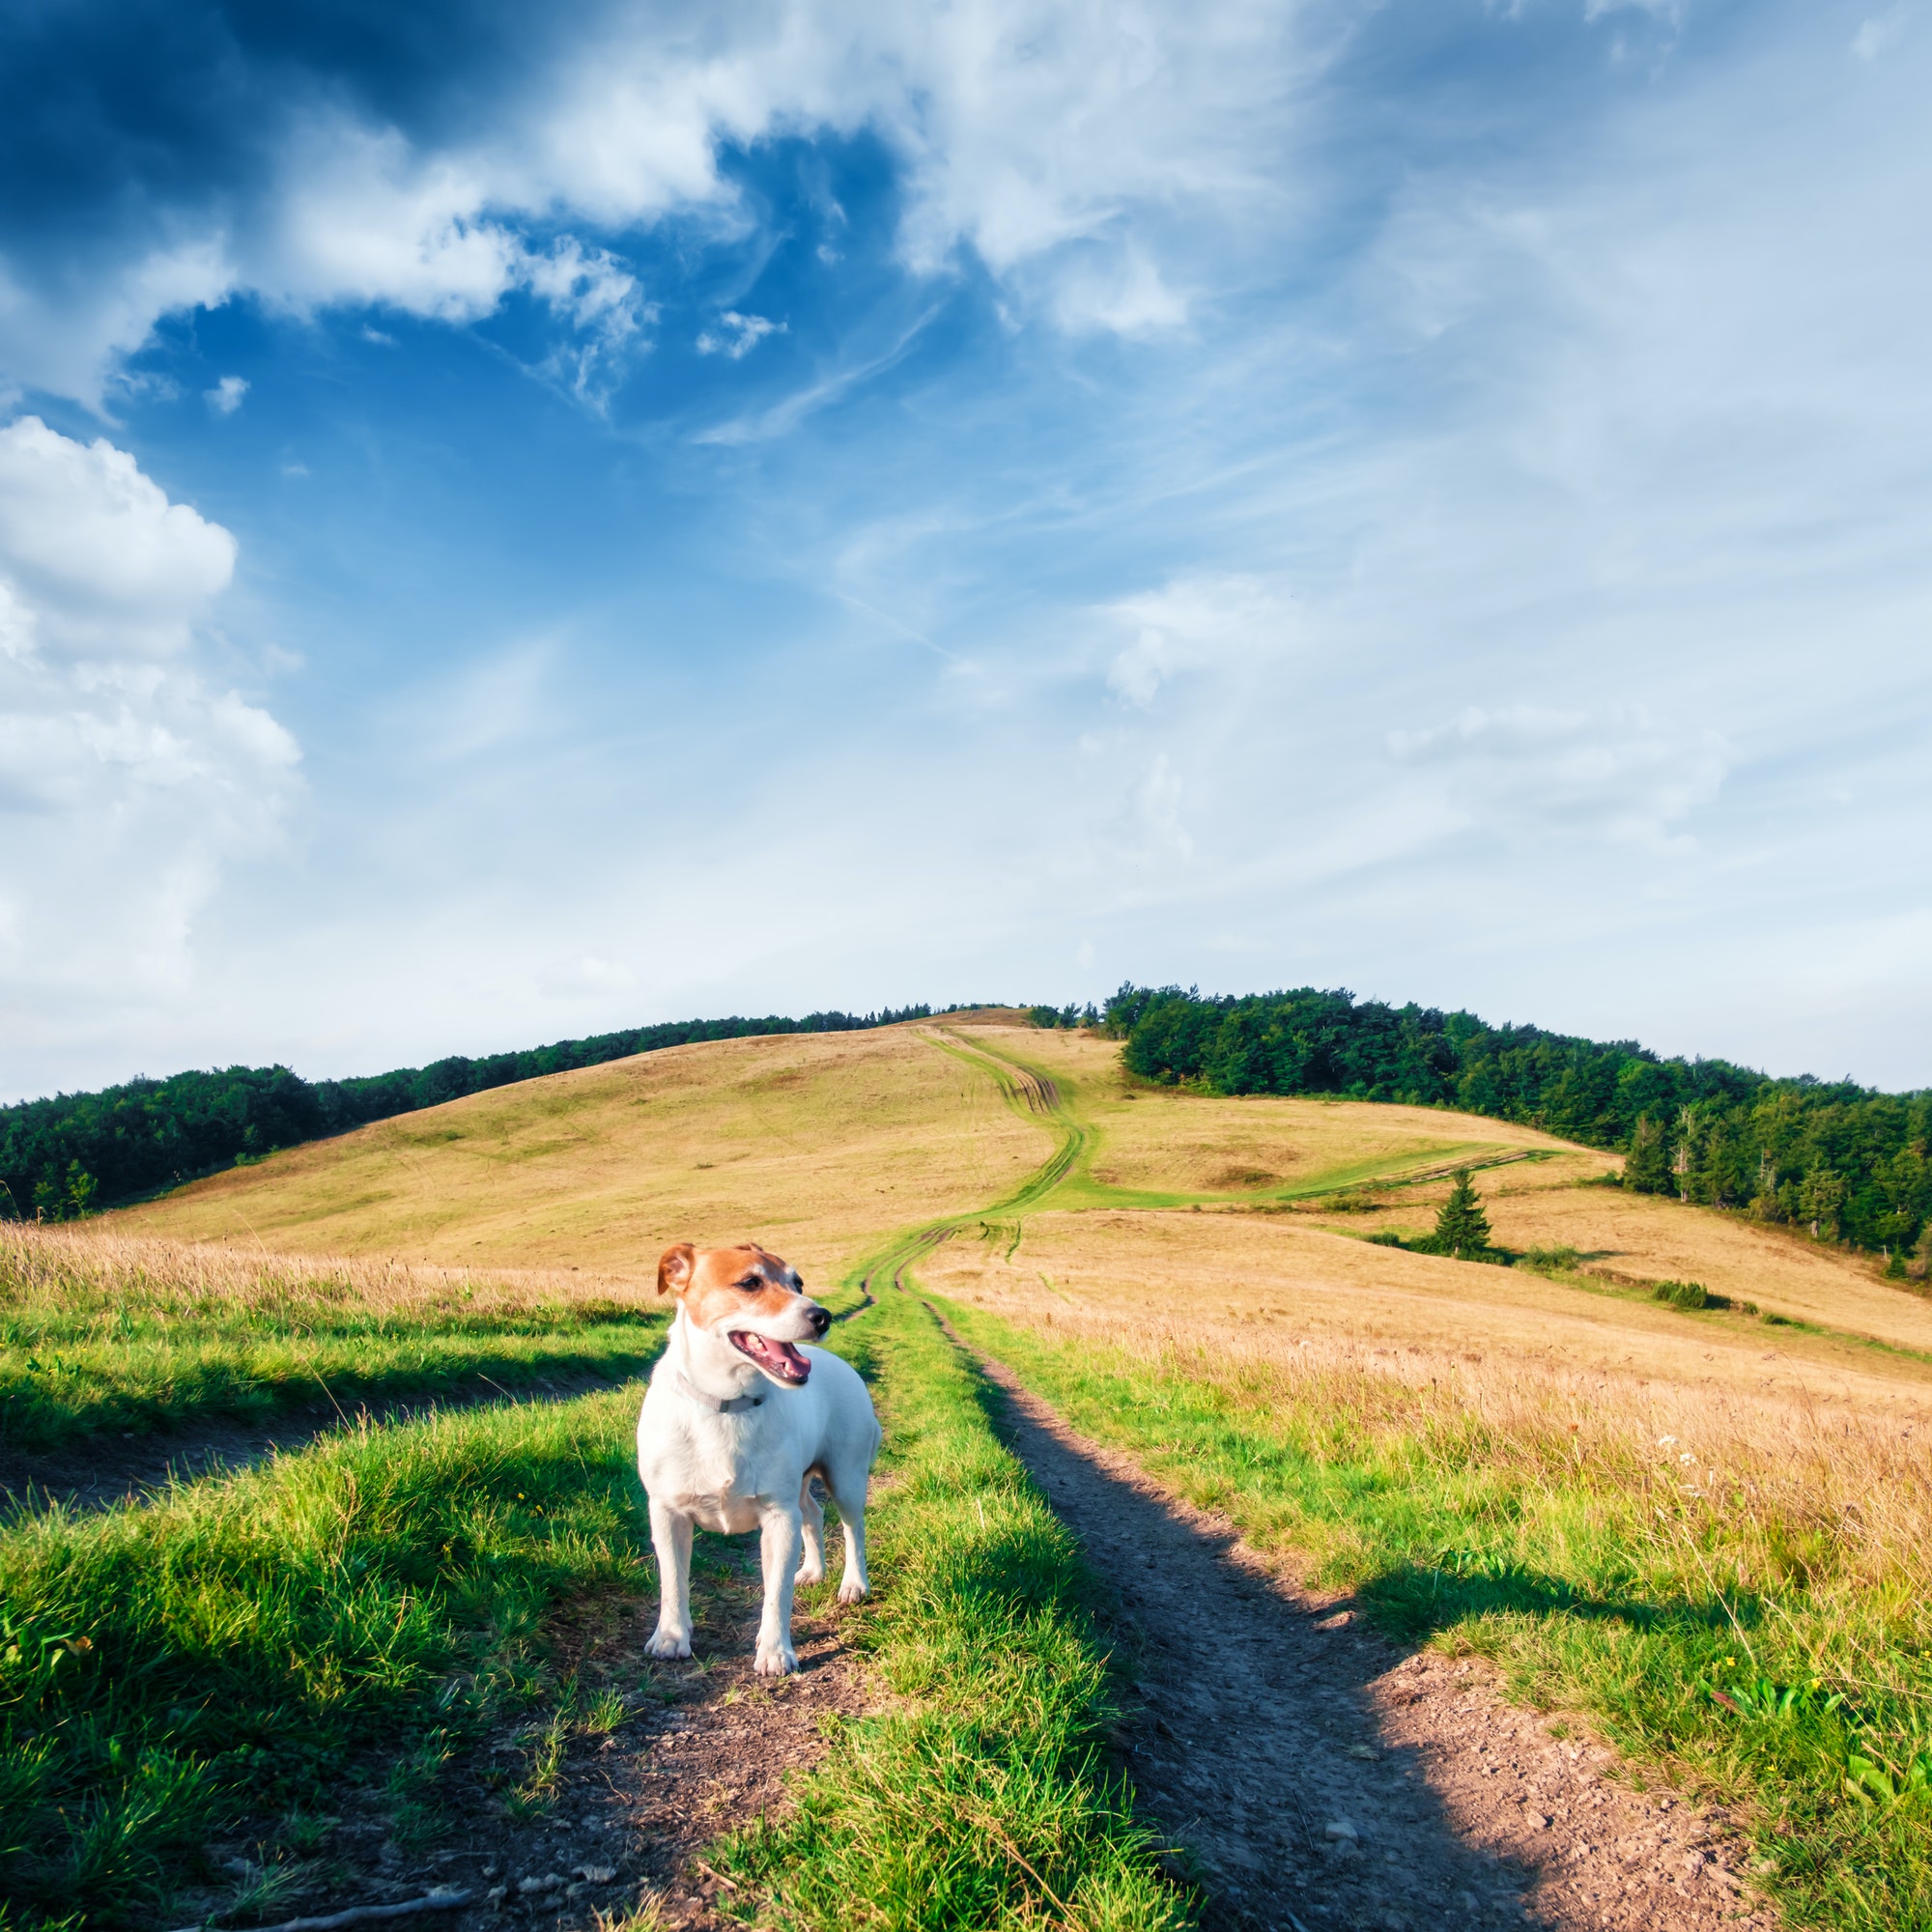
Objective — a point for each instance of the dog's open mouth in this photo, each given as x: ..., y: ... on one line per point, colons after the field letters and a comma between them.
x: 779, y: 1359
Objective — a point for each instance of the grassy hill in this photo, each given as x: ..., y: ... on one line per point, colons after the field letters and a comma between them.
x: 821, y: 1144
x: 813, y: 1143
x: 1288, y: 1188
x: 1708, y: 1533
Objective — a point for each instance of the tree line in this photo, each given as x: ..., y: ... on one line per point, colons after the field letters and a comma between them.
x: 66, y: 1156
x: 1844, y: 1162
x: 1069, y: 1017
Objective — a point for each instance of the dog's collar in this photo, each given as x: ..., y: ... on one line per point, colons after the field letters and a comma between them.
x: 732, y: 1405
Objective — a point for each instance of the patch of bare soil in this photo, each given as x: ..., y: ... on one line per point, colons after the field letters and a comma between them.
x: 103, y: 1471
x: 705, y: 1746
x: 1321, y: 1779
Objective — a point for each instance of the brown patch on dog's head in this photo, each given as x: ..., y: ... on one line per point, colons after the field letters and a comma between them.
x: 674, y: 1266
x: 749, y: 1297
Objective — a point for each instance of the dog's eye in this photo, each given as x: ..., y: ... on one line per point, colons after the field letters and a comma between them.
x: 750, y: 1283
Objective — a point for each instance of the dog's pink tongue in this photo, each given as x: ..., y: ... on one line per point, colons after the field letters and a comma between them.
x: 796, y: 1364
x: 782, y: 1356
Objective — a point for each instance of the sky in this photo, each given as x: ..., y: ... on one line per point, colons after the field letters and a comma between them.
x: 519, y: 521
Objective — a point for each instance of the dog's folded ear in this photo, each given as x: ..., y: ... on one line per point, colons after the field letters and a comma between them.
x: 674, y: 1269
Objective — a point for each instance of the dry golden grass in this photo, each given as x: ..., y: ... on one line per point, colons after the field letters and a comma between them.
x: 1649, y: 1239
x: 1158, y: 1139
x: 819, y: 1144
x: 813, y: 1143
x: 1266, y: 1283
x: 90, y: 1263
x: 1163, y: 1140
x: 105, y: 1335
x: 1854, y: 1471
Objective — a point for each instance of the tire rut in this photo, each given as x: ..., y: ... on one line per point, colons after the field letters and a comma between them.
x: 629, y: 1816
x: 98, y: 1472
x: 1323, y: 1779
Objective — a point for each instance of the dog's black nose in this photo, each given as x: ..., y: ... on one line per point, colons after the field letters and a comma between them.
x: 821, y: 1320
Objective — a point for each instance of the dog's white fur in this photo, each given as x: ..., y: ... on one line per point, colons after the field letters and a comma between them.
x: 750, y: 1468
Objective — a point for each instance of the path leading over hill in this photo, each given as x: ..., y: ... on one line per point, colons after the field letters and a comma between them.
x: 1321, y: 1775
x: 1271, y: 1737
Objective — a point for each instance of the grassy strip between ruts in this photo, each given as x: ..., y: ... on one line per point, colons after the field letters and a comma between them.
x: 234, y: 1645
x: 1753, y: 1635
x: 982, y: 1797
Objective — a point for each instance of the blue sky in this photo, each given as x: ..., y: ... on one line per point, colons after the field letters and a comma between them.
x: 515, y: 524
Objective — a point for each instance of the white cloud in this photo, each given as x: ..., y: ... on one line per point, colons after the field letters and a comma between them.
x: 1529, y: 773
x: 489, y: 703
x: 225, y: 398
x: 1114, y: 290
x: 783, y: 417
x: 68, y: 336
x: 585, y: 977
x: 1152, y: 826
x: 1082, y: 152
x: 104, y: 567
x: 130, y: 781
x: 365, y: 220
x: 740, y: 336
x: 1875, y: 35
x: 1194, y: 623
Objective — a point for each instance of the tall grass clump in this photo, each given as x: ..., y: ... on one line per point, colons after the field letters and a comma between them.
x: 238, y: 1646
x: 100, y: 1334
x: 981, y: 1797
x: 1738, y: 1594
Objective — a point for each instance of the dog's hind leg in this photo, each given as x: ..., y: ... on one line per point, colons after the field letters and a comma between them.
x: 848, y: 1491
x: 782, y: 1531
x: 813, y: 1569
x: 671, y: 1538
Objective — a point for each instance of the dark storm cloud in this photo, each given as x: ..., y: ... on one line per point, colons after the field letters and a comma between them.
x: 113, y: 112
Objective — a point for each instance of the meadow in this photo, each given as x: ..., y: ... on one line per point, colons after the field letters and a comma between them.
x: 108, y: 1334
x: 810, y: 1143
x: 1700, y: 1534
x: 367, y: 1610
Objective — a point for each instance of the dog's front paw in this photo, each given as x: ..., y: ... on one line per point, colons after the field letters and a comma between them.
x: 776, y: 1660
x: 852, y: 1591
x: 668, y: 1644
x: 810, y: 1573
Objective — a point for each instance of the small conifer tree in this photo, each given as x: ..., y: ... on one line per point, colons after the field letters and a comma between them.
x: 1461, y: 1228
x: 1647, y: 1165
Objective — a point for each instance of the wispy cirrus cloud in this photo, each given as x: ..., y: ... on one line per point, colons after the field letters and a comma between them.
x: 1533, y: 773
x: 736, y: 335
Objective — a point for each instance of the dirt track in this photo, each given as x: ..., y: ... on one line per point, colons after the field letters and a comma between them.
x: 1317, y: 1778
x: 1324, y: 1781
x: 705, y: 1746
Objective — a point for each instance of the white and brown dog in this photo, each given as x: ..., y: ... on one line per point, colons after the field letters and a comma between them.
x: 737, y: 1421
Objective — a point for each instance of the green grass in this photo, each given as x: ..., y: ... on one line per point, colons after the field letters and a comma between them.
x: 52, y: 1395
x: 89, y: 1349
x: 1065, y: 1180
x: 983, y: 1798
x: 234, y: 1646
x: 1733, y: 1637
x: 370, y: 1607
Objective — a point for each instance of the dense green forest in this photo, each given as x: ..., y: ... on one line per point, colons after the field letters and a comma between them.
x: 63, y: 1158
x: 1843, y: 1161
